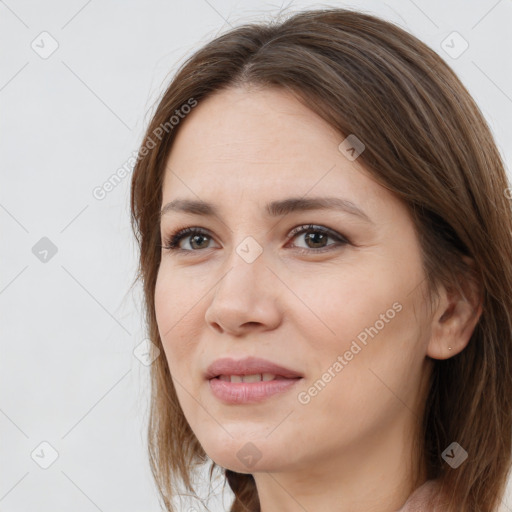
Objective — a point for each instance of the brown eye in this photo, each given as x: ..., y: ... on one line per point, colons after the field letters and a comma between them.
x: 196, y: 238
x: 316, y: 237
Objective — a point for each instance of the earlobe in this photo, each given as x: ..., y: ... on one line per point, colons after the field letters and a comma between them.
x: 454, y: 320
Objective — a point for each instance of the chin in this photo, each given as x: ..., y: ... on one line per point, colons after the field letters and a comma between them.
x: 244, y: 456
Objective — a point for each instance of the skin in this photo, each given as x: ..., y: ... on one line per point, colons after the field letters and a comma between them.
x: 351, y: 448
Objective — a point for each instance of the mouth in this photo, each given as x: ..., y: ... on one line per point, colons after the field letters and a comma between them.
x: 249, y: 380
x: 250, y: 369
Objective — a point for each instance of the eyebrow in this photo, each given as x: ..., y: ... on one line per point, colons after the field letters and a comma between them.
x: 272, y: 209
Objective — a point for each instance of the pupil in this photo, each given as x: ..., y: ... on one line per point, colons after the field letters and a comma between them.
x: 310, y: 236
x: 195, y: 237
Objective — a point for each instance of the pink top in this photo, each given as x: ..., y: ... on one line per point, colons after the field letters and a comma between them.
x: 428, y: 498
x: 423, y: 499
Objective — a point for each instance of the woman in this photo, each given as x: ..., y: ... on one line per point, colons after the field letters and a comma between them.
x: 325, y: 239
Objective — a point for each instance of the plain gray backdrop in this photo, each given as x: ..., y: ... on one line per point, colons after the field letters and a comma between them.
x: 78, y: 82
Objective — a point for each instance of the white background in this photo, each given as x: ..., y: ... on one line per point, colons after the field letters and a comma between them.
x: 68, y: 122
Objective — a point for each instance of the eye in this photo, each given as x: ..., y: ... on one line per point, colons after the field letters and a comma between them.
x: 194, y: 236
x: 315, y: 237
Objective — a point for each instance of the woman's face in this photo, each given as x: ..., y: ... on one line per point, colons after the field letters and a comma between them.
x: 344, y: 309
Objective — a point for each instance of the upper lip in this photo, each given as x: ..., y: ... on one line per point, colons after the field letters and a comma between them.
x: 247, y: 366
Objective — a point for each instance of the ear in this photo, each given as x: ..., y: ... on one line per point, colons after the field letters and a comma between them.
x: 455, y: 318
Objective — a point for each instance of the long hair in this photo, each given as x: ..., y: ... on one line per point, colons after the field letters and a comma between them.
x: 427, y: 141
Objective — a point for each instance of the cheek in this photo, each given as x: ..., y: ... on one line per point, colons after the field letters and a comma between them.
x: 369, y: 316
x: 176, y: 318
x: 340, y: 304
x: 373, y: 382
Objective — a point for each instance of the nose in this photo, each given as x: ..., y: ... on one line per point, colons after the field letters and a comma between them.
x: 245, y: 299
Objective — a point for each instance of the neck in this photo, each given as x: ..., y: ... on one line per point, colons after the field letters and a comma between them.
x: 375, y: 475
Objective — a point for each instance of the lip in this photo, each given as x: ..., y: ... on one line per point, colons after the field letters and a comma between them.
x: 249, y: 392
x: 248, y: 366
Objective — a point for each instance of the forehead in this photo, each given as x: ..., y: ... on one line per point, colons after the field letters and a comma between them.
x: 256, y: 137
x: 261, y: 125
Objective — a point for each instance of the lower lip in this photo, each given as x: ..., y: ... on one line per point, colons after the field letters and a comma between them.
x: 249, y: 392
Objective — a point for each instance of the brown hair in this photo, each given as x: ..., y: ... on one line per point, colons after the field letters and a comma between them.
x: 427, y: 141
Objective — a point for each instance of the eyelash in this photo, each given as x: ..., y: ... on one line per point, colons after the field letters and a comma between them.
x: 171, y: 243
